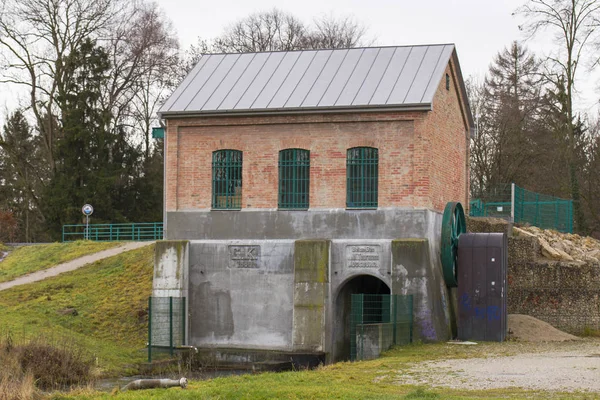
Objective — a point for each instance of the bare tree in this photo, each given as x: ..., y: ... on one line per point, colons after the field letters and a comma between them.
x: 276, y: 30
x: 265, y: 31
x: 144, y: 58
x: 330, y: 32
x: 36, y: 36
x: 574, y: 24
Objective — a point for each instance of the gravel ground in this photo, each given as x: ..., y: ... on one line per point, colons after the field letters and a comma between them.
x: 571, y: 367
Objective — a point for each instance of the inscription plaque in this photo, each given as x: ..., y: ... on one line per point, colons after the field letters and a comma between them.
x: 363, y: 256
x: 244, y: 256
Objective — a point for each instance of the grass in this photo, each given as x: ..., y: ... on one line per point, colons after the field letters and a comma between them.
x: 27, y: 259
x: 110, y: 300
x: 376, y: 379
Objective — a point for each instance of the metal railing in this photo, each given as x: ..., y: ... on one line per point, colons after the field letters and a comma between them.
x: 113, y: 232
x: 378, y: 322
x: 522, y: 206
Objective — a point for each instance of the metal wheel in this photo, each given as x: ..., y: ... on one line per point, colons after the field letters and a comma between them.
x: 453, y: 224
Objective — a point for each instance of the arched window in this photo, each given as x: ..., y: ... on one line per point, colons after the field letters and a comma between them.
x: 227, y: 179
x: 294, y: 178
x: 362, y: 177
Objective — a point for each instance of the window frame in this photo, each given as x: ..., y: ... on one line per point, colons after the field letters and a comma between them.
x: 230, y: 184
x: 366, y: 169
x: 294, y: 173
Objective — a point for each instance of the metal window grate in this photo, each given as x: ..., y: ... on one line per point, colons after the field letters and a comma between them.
x: 294, y: 178
x: 227, y: 179
x: 362, y: 177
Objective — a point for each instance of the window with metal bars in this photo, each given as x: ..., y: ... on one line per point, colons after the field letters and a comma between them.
x: 294, y: 178
x: 227, y: 179
x: 362, y: 177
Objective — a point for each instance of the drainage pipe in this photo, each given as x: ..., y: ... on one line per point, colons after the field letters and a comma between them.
x: 155, y: 383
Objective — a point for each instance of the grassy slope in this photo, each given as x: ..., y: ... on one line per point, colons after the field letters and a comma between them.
x: 27, y: 259
x: 110, y: 297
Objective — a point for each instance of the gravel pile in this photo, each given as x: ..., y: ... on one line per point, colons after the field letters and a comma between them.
x: 529, y: 329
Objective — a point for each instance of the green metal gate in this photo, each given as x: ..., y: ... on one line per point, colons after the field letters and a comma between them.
x: 166, y: 325
x: 378, y: 322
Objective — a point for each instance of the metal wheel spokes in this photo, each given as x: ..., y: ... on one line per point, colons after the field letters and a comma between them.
x: 453, y: 225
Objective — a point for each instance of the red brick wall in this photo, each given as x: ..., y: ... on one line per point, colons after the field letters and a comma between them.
x: 422, y: 155
x: 443, y: 136
x: 190, y: 143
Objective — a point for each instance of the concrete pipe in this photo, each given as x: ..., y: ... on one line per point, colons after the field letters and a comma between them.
x: 155, y: 383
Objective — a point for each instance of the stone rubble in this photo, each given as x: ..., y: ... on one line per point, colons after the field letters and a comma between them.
x: 559, y: 246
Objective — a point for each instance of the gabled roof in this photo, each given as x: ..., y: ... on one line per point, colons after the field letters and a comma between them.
x: 313, y: 80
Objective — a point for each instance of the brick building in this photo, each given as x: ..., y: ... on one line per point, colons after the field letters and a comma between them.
x: 342, y: 150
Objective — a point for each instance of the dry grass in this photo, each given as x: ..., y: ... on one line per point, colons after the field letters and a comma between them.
x: 37, y: 364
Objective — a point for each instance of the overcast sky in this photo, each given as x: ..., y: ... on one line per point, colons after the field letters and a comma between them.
x: 479, y: 28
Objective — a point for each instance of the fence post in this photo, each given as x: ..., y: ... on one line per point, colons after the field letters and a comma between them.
x: 395, y: 313
x: 171, y: 325
x: 512, y: 202
x: 149, y: 329
x: 183, y: 318
x: 410, y: 307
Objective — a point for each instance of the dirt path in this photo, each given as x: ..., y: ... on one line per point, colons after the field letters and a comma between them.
x: 72, y: 265
x: 574, y: 367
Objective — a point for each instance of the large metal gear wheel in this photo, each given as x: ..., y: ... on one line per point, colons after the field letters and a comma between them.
x: 453, y: 225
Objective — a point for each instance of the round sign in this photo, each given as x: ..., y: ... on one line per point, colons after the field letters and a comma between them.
x: 87, y: 209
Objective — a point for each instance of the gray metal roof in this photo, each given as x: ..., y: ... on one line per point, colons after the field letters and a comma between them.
x: 374, y: 77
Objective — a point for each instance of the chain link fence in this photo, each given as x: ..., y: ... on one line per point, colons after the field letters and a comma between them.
x: 523, y: 206
x: 166, y: 325
x: 378, y: 322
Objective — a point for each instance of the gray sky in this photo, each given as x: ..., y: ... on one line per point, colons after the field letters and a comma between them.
x: 479, y: 28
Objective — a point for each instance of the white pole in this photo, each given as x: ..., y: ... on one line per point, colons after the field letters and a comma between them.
x: 87, y: 229
x: 512, y: 202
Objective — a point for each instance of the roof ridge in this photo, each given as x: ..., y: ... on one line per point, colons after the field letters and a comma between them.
x: 334, y: 49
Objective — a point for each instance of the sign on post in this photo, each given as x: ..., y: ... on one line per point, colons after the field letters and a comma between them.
x: 87, y: 210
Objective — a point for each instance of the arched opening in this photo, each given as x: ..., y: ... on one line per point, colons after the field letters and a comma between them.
x: 365, y: 284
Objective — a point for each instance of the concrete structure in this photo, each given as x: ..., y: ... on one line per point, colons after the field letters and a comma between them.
x: 264, y: 281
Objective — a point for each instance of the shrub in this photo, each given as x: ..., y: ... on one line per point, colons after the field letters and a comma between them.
x: 43, y: 365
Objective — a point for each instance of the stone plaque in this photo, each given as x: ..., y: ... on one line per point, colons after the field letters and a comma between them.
x: 363, y: 256
x: 244, y: 256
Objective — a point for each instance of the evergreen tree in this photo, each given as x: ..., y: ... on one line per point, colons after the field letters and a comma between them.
x: 94, y: 165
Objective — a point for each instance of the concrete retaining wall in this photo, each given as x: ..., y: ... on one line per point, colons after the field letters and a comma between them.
x: 283, y: 294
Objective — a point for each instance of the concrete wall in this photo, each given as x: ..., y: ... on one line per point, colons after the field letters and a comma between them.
x: 171, y: 268
x: 284, y: 294
x: 241, y: 294
x: 338, y: 223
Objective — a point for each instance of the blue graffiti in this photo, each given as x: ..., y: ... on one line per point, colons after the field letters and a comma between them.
x: 492, y: 313
x: 465, y: 301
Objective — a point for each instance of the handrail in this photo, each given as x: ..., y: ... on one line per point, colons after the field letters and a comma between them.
x: 113, y: 232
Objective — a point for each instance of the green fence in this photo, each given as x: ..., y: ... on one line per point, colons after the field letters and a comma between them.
x: 166, y: 325
x: 378, y: 322
x: 543, y: 211
x: 113, y: 232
